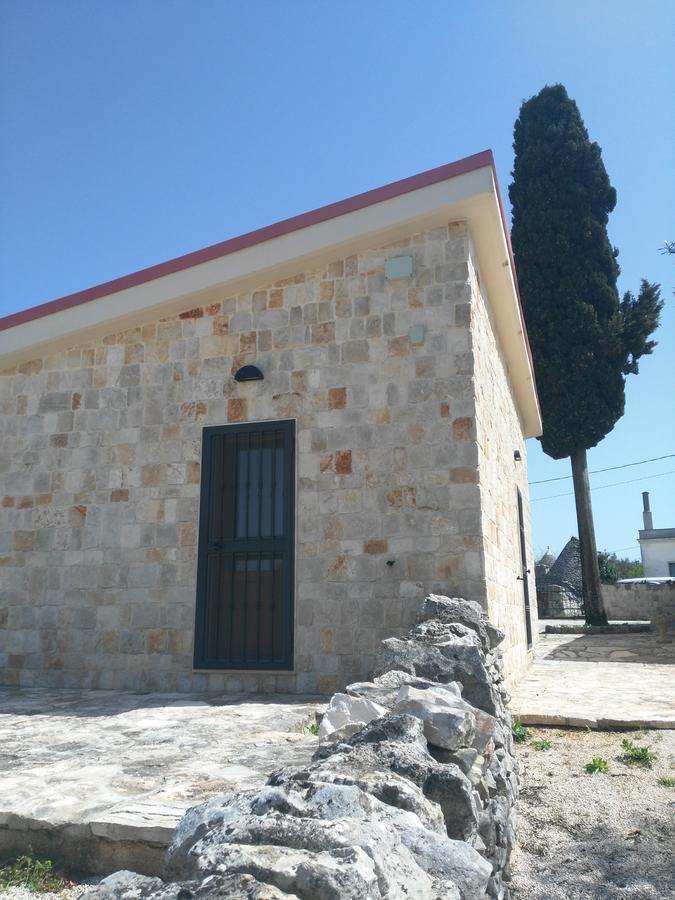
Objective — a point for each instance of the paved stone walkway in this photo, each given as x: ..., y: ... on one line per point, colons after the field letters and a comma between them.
x: 110, y: 773
x: 603, y: 681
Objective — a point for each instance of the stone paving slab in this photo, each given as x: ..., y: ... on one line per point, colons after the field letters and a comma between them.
x: 113, y: 772
x: 600, y: 681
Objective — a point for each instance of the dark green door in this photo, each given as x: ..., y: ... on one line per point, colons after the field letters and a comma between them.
x: 245, y: 559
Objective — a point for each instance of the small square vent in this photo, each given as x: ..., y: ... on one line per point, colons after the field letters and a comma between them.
x: 397, y: 267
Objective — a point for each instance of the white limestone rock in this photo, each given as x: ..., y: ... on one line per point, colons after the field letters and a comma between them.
x: 130, y: 886
x: 348, y: 873
x: 456, y: 610
x: 346, y: 715
x: 384, y: 689
x: 317, y: 840
x: 397, y: 743
x: 448, y: 721
x: 380, y: 783
x: 453, y: 861
x: 460, y: 659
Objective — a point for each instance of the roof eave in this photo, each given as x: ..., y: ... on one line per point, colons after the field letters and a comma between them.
x: 466, y: 189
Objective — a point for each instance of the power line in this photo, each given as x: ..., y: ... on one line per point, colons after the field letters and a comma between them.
x: 609, y: 469
x: 613, y: 484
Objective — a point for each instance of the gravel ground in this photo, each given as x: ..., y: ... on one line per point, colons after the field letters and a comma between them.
x: 69, y: 893
x: 606, y: 837
x: 16, y: 893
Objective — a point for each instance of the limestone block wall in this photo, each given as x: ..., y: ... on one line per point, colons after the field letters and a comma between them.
x: 498, y: 434
x: 100, y: 451
x: 638, y: 600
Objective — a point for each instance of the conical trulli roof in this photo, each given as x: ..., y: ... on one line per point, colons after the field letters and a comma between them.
x: 547, y: 560
x: 566, y: 570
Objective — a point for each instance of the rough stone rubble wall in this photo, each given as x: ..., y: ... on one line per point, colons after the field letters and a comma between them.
x: 418, y: 802
x: 100, y: 451
x: 499, y: 433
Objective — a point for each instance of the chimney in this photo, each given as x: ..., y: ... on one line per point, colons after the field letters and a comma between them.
x: 646, y: 512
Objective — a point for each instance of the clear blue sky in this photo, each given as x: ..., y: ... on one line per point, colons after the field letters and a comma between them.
x: 136, y: 131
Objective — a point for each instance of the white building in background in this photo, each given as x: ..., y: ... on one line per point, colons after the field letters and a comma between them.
x: 657, y: 546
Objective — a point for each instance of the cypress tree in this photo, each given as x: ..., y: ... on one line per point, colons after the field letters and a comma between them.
x: 584, y: 339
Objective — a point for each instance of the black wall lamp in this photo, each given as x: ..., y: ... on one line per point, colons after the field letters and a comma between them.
x: 517, y: 456
x: 248, y: 373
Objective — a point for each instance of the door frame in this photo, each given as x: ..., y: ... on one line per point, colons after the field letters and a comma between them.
x: 289, y: 490
x: 525, y: 571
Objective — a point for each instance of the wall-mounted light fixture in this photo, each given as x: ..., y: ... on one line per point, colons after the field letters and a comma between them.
x: 517, y: 456
x: 248, y: 373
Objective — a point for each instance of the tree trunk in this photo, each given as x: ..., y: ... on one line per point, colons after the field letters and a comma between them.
x: 590, y: 574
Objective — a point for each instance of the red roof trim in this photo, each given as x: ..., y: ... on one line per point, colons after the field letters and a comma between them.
x: 286, y: 226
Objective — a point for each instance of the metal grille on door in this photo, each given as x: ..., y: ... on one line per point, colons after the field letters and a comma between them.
x: 245, y: 566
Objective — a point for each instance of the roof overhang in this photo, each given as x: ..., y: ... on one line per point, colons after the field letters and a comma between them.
x: 657, y: 534
x: 465, y: 190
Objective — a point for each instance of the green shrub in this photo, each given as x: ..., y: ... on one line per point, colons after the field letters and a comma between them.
x: 637, y: 756
x: 597, y: 766
x: 520, y: 732
x: 30, y: 872
x: 667, y: 780
x: 541, y: 744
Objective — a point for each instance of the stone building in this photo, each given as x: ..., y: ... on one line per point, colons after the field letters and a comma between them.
x: 559, y: 585
x: 657, y: 545
x: 238, y: 470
